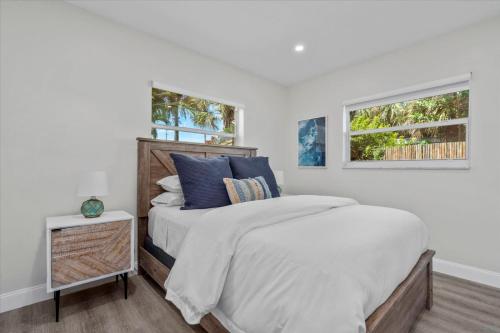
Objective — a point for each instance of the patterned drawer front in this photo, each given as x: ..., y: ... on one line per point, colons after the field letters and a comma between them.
x: 85, y: 252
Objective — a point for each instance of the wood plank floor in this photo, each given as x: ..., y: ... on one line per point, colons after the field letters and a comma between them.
x: 459, y: 307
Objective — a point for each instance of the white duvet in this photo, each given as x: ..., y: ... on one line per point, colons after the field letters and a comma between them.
x: 294, y: 264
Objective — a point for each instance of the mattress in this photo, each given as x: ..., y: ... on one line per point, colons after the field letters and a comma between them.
x: 167, y: 226
x: 158, y: 253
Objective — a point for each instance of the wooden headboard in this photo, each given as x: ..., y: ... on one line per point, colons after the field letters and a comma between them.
x: 154, y: 163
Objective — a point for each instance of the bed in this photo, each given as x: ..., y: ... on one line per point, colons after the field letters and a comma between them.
x: 167, y: 226
x: 396, y: 314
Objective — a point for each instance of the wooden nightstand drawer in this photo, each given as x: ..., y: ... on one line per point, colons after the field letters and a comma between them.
x: 85, y: 252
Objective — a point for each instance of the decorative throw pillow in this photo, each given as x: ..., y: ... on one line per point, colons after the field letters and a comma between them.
x: 251, y: 167
x: 168, y: 199
x: 202, y: 180
x: 171, y: 184
x: 247, y: 189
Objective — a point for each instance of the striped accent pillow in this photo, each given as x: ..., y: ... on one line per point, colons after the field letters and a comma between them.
x: 242, y: 190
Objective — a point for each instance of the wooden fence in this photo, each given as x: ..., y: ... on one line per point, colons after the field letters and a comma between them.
x: 432, y: 151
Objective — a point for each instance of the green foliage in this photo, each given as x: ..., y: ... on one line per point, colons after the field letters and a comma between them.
x: 218, y: 140
x: 436, y: 108
x: 370, y: 146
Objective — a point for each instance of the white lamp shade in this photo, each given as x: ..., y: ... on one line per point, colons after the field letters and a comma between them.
x: 280, y: 177
x: 93, y: 184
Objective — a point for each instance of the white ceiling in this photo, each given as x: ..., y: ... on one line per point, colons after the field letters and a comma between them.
x: 259, y: 36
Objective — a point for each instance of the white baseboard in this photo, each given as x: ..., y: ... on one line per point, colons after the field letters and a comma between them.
x: 465, y: 272
x: 26, y: 296
x: 31, y: 295
x: 22, y: 297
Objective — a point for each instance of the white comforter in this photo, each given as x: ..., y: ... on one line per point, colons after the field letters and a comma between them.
x: 294, y: 264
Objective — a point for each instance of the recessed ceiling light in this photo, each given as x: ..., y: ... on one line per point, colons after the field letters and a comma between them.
x: 299, y: 48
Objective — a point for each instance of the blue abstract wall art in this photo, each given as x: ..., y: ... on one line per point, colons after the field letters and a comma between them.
x: 312, y: 142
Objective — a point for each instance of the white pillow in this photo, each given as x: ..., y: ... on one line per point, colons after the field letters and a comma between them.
x: 168, y: 199
x: 171, y: 184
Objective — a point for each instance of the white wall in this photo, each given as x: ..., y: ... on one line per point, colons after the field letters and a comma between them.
x: 461, y: 208
x: 73, y: 98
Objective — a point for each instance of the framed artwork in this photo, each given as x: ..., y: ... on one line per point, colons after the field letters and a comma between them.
x: 312, y: 143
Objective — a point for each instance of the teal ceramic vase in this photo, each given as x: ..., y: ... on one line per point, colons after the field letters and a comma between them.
x: 92, y: 208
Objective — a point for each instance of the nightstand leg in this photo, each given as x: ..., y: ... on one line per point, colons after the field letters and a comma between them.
x: 57, y: 296
x: 116, y: 278
x: 125, y: 284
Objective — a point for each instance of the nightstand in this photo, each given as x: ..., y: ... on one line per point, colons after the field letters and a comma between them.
x: 82, y: 250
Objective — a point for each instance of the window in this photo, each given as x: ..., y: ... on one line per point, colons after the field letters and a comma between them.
x: 182, y: 116
x: 419, y: 127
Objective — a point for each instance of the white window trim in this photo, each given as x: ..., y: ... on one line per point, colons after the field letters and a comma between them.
x: 434, y: 88
x: 239, y: 111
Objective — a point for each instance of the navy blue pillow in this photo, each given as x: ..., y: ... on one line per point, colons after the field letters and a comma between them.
x: 251, y: 167
x: 202, y: 180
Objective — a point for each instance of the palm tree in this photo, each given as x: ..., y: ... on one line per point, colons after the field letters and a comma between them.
x: 165, y: 109
x: 227, y: 113
x: 168, y: 107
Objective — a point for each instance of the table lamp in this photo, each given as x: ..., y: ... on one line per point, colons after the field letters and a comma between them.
x: 91, y: 185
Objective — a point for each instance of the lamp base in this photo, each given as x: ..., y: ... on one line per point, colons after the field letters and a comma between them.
x: 92, y: 208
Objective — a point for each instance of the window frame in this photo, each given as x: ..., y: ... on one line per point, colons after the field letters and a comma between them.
x: 434, y: 88
x: 238, y: 114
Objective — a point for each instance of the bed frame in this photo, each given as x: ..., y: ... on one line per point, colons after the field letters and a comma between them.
x: 396, y: 315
